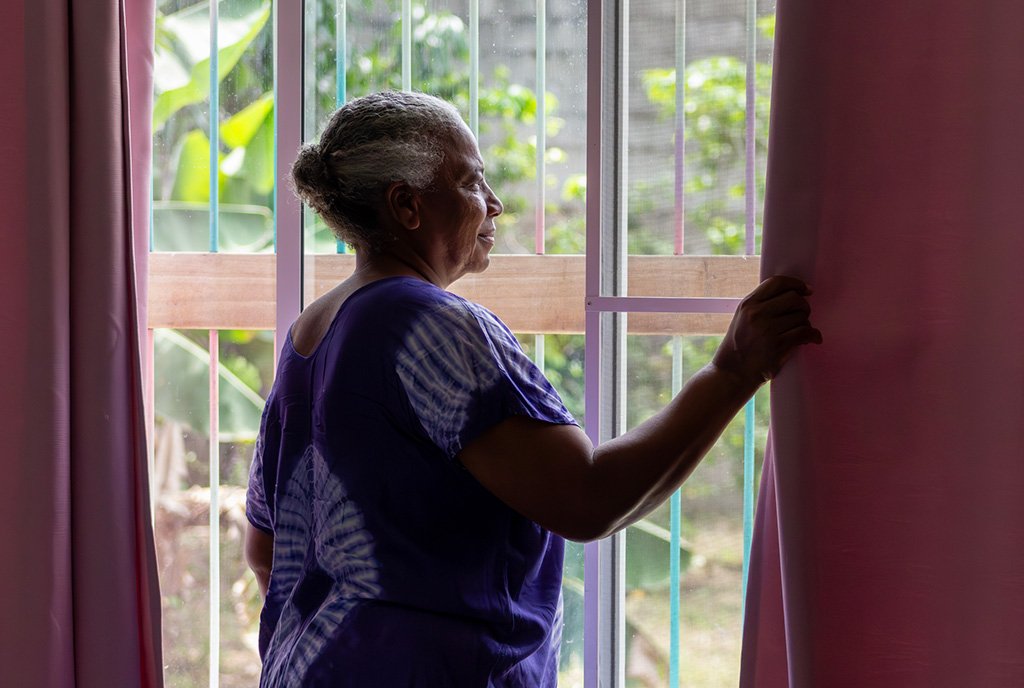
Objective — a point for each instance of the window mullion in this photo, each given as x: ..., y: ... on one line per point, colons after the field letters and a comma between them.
x: 750, y: 225
x: 340, y: 53
x: 214, y: 470
x: 750, y: 178
x: 406, y: 45
x: 214, y: 124
x: 214, y: 345
x: 288, y: 80
x: 675, y: 529
x: 680, y: 129
x: 606, y: 332
x: 592, y: 349
x: 541, y: 123
x: 474, y: 67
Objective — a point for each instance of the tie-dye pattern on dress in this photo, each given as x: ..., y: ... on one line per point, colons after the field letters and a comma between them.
x: 392, y: 565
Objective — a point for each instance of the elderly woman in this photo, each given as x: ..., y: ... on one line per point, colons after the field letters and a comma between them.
x: 415, y: 474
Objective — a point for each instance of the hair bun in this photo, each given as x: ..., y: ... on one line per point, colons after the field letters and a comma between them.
x: 312, y: 177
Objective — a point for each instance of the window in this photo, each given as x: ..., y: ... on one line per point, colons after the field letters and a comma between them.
x: 619, y: 300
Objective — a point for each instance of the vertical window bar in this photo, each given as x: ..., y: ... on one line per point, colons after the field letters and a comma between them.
x: 406, y: 45
x: 151, y: 206
x: 606, y: 261
x: 675, y: 528
x: 614, y: 338
x: 541, y: 147
x: 592, y: 349
x: 149, y: 389
x: 751, y: 188
x: 150, y: 408
x: 538, y: 225
x: 288, y: 81
x: 618, y: 204
x: 680, y: 126
x: 214, y: 344
x: 340, y: 72
x: 592, y: 551
x: 675, y: 501
x: 214, y: 128
x: 214, y: 465
x: 748, y: 488
x: 751, y: 205
x: 340, y: 54
x: 474, y: 67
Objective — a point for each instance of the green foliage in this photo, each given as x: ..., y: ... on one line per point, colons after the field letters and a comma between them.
x: 182, y: 389
x: 563, y: 356
x: 192, y: 180
x: 181, y: 71
x: 714, y: 98
x: 507, y: 115
x: 250, y: 136
x: 715, y: 107
x: 185, y: 227
x: 245, y: 175
x: 507, y: 111
x: 649, y: 546
x: 715, y: 131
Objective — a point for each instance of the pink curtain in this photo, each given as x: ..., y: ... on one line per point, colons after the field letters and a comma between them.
x: 889, y: 547
x: 78, y: 593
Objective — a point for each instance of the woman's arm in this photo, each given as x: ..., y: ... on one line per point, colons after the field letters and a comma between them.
x: 259, y: 555
x: 553, y: 475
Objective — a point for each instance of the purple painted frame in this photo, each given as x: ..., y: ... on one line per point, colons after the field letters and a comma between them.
x: 592, y: 348
x: 288, y: 42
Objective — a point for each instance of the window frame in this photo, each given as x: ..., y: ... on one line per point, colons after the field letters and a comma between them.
x: 220, y: 291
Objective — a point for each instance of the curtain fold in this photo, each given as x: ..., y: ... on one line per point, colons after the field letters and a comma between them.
x: 78, y: 596
x: 890, y: 542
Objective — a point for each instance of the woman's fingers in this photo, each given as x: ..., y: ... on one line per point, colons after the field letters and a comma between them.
x: 782, y: 324
x: 769, y: 324
x: 798, y: 336
x: 779, y: 284
x: 788, y: 343
x: 780, y: 314
x: 785, y: 306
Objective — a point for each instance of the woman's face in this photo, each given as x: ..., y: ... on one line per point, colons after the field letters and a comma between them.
x: 458, y: 213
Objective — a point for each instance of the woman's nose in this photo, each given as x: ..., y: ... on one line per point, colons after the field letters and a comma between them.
x: 494, y: 205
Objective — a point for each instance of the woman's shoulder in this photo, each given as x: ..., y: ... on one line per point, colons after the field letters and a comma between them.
x: 406, y: 289
x: 401, y: 298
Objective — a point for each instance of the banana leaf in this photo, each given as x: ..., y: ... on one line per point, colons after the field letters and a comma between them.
x: 181, y: 380
x: 181, y: 69
x: 183, y: 226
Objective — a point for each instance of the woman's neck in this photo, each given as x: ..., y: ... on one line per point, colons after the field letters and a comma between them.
x: 395, y: 262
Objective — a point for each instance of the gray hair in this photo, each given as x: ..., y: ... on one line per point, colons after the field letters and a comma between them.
x: 368, y: 144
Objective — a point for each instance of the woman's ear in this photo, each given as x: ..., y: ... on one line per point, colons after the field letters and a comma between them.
x: 402, y: 204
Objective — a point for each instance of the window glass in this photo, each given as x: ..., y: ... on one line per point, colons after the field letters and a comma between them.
x: 700, y: 206
x: 562, y: 363
x: 241, y: 132
x: 182, y: 490
x: 179, y: 480
x: 209, y: 599
x: 706, y: 614
x: 529, y: 97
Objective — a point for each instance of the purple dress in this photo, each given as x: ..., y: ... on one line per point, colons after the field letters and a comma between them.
x: 393, y: 567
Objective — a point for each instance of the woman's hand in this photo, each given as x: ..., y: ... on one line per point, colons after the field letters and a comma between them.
x: 770, y: 323
x: 552, y: 475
